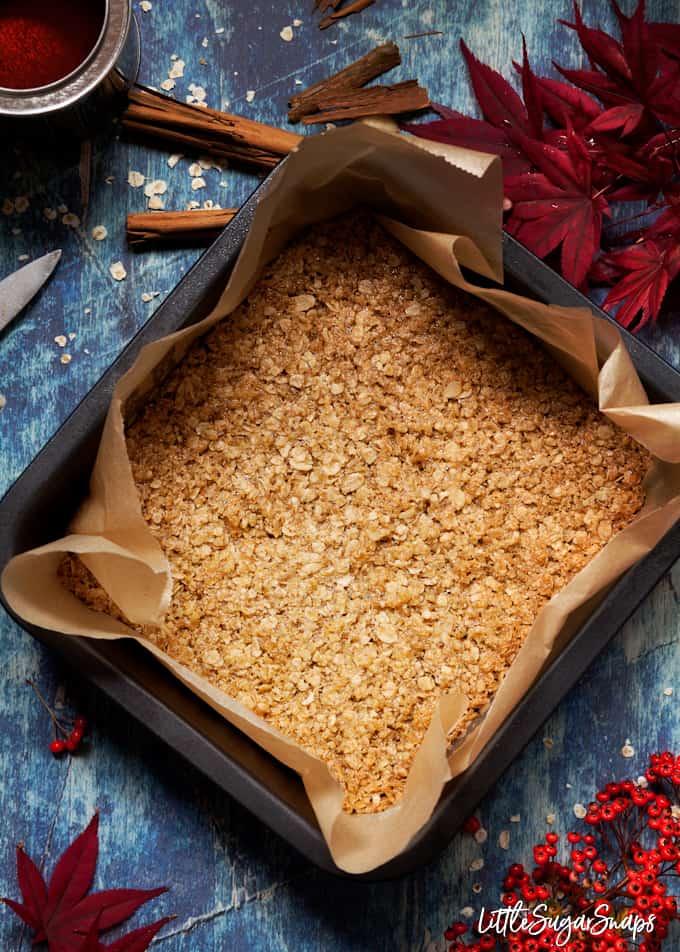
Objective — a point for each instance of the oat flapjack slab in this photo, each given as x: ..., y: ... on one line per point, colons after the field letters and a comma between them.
x: 367, y: 485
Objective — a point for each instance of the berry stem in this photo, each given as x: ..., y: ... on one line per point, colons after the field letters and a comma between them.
x: 58, y: 726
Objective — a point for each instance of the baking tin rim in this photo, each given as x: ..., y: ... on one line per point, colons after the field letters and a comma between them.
x: 262, y: 800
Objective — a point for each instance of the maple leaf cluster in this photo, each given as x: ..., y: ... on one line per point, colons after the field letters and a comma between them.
x: 574, y: 147
x: 64, y: 916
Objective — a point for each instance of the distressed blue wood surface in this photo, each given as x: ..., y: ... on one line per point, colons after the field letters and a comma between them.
x: 234, y: 884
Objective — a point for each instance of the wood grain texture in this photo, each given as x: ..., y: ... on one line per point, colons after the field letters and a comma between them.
x: 235, y: 885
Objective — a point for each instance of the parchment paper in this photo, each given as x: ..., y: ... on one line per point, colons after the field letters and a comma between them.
x: 444, y: 204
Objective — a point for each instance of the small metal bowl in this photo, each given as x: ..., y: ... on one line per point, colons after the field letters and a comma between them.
x: 81, y: 100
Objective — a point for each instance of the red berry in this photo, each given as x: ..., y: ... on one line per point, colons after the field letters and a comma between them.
x: 73, y: 741
x: 471, y: 825
x: 57, y: 747
x: 80, y: 724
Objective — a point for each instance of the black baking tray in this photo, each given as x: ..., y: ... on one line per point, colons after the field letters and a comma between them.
x: 39, y: 506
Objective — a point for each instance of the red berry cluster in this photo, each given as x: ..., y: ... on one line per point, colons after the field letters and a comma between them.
x: 71, y: 736
x: 620, y: 868
x: 664, y: 767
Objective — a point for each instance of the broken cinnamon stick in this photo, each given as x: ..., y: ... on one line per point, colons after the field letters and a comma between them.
x: 373, y: 101
x: 354, y: 76
x: 347, y: 11
x: 199, y: 226
x: 150, y: 114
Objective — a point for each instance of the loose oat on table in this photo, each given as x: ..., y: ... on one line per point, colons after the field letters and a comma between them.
x: 157, y: 187
x: 135, y: 179
x: 117, y: 271
x: 367, y: 485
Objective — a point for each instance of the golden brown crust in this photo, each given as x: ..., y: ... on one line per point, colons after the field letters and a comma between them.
x: 367, y: 485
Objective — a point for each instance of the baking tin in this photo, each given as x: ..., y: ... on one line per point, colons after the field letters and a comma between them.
x: 81, y: 100
x: 40, y: 504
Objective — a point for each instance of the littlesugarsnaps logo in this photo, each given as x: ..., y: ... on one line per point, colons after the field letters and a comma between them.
x: 519, y: 918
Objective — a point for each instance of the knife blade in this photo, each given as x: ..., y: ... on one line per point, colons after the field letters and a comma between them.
x: 18, y: 289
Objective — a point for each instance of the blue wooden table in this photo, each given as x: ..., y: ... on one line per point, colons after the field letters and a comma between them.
x: 233, y: 884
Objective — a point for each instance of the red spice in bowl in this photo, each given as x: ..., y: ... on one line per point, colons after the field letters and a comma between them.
x: 42, y: 41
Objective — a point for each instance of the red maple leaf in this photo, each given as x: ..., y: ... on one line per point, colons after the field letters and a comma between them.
x: 650, y: 169
x: 454, y: 128
x: 667, y: 37
x: 645, y: 270
x: 62, y: 913
x: 532, y: 93
x: 614, y: 139
x: 634, y: 79
x: 557, y: 206
x: 500, y: 104
x: 565, y: 103
x: 138, y: 940
x: 503, y: 111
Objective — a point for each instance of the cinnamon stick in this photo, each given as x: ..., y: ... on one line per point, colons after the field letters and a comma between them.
x: 205, y: 145
x: 354, y: 76
x: 199, y: 226
x: 150, y: 114
x: 373, y: 101
x: 347, y: 11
